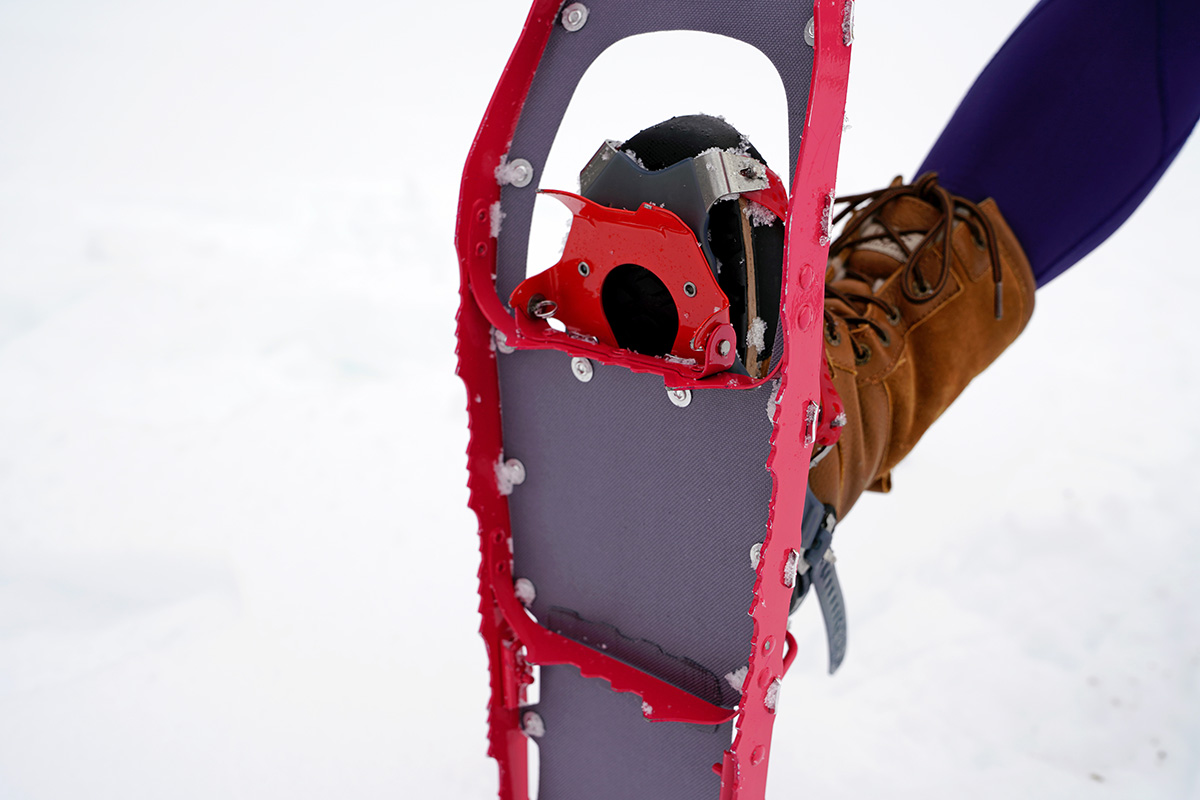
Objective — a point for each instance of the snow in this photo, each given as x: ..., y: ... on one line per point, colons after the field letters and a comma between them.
x: 737, y: 678
x: 757, y: 333
x: 773, y: 398
x: 758, y: 214
x: 235, y: 553
x: 497, y: 218
x: 771, y: 698
x: 635, y: 159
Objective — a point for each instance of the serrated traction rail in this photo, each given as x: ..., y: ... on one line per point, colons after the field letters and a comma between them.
x: 511, y: 637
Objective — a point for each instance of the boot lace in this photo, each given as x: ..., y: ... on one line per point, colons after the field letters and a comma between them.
x: 914, y: 284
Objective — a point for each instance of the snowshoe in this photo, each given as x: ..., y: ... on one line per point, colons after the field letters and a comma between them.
x: 643, y: 414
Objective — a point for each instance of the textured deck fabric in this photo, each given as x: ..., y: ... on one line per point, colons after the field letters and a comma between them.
x: 636, y: 519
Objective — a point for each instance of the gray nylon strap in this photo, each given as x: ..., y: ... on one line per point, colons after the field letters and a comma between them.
x: 819, y: 522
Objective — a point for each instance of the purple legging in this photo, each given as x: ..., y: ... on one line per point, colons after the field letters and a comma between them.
x: 1074, y: 121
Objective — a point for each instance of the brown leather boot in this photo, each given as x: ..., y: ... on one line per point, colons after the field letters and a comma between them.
x: 909, y: 321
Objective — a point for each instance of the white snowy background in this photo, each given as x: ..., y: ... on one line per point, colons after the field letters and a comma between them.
x: 235, y: 554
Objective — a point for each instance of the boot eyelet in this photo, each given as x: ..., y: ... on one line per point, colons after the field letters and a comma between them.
x: 885, y: 339
x: 832, y: 336
x: 922, y: 290
x: 893, y: 316
x: 862, y: 356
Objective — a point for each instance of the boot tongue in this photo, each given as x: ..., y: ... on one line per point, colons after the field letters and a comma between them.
x: 879, y: 259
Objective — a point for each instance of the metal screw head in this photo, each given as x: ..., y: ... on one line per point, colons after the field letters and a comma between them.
x: 574, y: 16
x: 689, y: 289
x: 723, y: 347
x: 584, y: 269
x: 680, y: 397
x: 533, y: 724
x: 581, y: 368
x: 810, y: 32
x: 520, y: 173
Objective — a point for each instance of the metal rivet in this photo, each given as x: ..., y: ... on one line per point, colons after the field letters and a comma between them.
x: 812, y: 413
x: 810, y: 32
x: 514, y: 471
x: 723, y: 347
x: 574, y: 16
x: 680, y: 397
x: 689, y: 289
x: 581, y: 368
x: 755, y: 554
x: 526, y: 593
x: 520, y: 173
x: 533, y: 725
x: 502, y: 344
x: 584, y: 269
x: 790, y: 568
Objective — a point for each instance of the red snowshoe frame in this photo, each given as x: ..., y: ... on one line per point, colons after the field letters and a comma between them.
x: 513, y: 639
